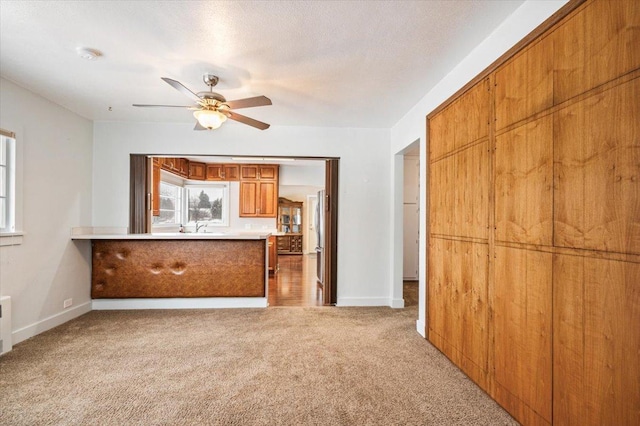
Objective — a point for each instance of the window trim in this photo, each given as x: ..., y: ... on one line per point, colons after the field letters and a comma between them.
x: 10, y: 230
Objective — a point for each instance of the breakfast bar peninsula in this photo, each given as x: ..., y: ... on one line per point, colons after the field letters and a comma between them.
x: 170, y: 270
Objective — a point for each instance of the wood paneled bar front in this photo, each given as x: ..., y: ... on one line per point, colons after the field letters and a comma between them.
x: 534, y: 221
x: 178, y: 266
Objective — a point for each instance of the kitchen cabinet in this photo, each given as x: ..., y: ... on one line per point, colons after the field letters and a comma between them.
x: 231, y: 172
x: 183, y: 167
x: 273, y: 255
x: 290, y: 223
x: 178, y: 166
x: 223, y: 172
x: 258, y: 190
x: 167, y: 163
x: 197, y: 170
x: 259, y: 171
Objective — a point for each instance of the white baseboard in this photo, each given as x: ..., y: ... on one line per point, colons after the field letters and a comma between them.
x: 363, y: 301
x: 397, y: 303
x: 41, y: 326
x: 180, y: 303
x: 421, y: 327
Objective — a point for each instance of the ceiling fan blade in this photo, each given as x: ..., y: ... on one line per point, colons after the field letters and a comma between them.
x: 181, y: 88
x: 246, y: 120
x: 199, y: 126
x: 249, y: 102
x: 163, y: 106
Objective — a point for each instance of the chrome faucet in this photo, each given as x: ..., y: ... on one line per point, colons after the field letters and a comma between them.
x: 201, y: 225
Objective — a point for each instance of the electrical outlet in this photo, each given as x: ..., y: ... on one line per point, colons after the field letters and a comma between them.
x: 68, y: 303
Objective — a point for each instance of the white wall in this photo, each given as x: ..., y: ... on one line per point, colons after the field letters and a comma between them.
x: 363, y: 220
x: 308, y: 175
x: 54, y: 184
x: 413, y: 125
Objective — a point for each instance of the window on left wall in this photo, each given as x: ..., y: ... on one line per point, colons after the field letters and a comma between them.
x: 7, y: 182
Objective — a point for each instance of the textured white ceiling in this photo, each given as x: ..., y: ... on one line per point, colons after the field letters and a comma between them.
x: 322, y: 63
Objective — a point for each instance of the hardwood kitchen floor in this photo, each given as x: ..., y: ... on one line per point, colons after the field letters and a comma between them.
x: 295, y: 283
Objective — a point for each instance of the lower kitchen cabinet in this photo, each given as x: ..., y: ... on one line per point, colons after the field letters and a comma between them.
x: 273, y: 255
x: 290, y: 244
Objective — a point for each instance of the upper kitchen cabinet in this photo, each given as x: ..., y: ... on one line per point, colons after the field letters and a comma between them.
x: 225, y: 172
x: 231, y: 172
x: 197, y: 170
x: 258, y: 190
x: 259, y: 171
x: 178, y: 166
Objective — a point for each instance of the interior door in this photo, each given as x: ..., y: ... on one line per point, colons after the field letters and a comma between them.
x: 330, y: 292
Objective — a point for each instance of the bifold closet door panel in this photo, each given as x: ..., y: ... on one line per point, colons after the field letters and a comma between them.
x: 596, y: 341
x: 596, y: 45
x: 524, y: 85
x: 522, y: 334
x: 459, y: 194
x: 524, y: 183
x: 464, y: 121
x: 458, y: 304
x: 597, y: 178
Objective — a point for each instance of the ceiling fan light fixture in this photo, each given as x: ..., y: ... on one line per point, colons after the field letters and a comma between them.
x: 210, y: 119
x: 88, y: 53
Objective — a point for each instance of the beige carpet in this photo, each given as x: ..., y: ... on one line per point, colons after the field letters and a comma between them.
x: 279, y: 366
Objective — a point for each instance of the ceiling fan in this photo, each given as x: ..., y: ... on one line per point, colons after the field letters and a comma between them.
x: 211, y: 109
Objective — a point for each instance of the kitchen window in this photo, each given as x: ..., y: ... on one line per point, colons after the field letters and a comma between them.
x: 170, y: 205
x: 188, y: 204
x: 208, y: 204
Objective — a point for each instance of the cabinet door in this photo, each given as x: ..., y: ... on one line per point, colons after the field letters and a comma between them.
x: 196, y: 170
x: 283, y: 244
x: 248, y: 196
x: 183, y: 167
x: 167, y: 163
x: 249, y: 171
x: 267, y: 199
x: 231, y: 172
x: 214, y: 172
x: 273, y: 254
x: 268, y: 172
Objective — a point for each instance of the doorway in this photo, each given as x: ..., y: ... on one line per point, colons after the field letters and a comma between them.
x: 411, y: 224
x: 309, y: 278
x: 142, y: 178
